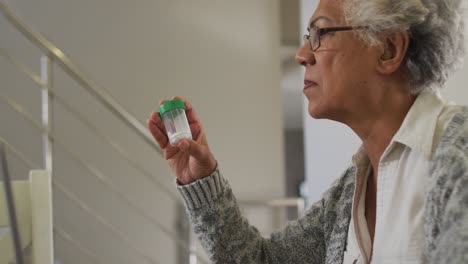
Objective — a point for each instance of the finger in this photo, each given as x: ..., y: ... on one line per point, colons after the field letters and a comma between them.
x: 193, y: 149
x: 198, y: 151
x: 156, y: 118
x: 196, y: 129
x: 162, y: 102
x: 170, y: 151
x: 192, y: 116
x: 158, y: 134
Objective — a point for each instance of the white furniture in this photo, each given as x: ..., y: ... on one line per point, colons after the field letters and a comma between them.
x: 33, y: 202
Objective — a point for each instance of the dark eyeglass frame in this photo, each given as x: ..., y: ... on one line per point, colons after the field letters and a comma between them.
x: 319, y: 32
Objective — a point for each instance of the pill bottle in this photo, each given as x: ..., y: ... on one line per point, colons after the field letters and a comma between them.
x: 173, y: 115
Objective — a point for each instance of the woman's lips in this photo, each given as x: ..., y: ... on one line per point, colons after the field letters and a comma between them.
x: 309, y: 84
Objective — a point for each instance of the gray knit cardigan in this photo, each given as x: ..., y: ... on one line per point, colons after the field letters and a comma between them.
x: 320, y: 236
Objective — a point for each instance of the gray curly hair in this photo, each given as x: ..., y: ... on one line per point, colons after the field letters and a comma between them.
x: 436, y: 31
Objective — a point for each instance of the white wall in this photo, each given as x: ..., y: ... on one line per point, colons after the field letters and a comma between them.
x: 223, y: 56
x: 329, y: 146
x: 457, y: 88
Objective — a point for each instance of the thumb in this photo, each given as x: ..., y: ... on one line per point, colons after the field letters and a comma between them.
x: 193, y: 148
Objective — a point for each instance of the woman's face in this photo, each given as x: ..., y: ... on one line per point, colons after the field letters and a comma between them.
x: 338, y: 73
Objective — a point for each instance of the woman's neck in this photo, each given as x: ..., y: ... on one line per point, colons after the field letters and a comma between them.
x: 379, y: 123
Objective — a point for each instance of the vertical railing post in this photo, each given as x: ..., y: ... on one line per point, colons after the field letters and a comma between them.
x: 47, y: 114
x: 193, y: 247
x: 10, y: 202
x: 184, y: 232
x: 300, y: 208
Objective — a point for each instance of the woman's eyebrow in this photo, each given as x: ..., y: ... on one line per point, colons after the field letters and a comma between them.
x: 312, y: 23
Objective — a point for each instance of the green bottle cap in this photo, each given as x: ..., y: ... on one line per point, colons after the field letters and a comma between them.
x: 169, y: 105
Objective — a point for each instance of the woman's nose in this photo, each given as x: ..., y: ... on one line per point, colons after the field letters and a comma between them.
x: 304, y: 55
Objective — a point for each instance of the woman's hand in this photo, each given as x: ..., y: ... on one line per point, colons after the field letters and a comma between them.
x: 190, y: 160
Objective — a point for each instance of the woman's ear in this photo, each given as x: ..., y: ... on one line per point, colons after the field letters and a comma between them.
x: 393, y: 52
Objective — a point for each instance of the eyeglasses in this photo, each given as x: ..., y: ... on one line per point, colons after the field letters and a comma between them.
x: 316, y: 33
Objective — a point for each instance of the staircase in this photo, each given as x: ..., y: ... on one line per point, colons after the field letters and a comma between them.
x: 98, y: 217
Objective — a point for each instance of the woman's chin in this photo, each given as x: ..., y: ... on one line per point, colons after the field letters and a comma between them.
x: 316, y: 112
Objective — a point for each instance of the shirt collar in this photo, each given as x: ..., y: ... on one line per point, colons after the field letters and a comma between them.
x: 418, y: 127
x: 360, y: 157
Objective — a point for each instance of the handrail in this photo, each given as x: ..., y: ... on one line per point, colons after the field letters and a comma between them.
x: 69, y: 67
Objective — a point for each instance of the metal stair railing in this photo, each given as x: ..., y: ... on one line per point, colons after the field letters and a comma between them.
x: 106, y: 181
x: 58, y: 56
x: 121, y: 236
x: 99, y: 175
x: 291, y: 202
x: 44, y: 81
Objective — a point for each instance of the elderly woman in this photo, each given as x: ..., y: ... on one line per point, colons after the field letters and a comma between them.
x: 376, y: 66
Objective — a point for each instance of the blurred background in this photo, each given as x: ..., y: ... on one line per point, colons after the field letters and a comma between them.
x: 79, y: 79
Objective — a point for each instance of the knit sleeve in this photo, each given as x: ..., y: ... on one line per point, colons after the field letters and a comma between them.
x: 229, y: 238
x: 447, y: 206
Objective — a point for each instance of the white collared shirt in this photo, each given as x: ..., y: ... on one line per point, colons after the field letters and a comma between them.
x: 401, y: 188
